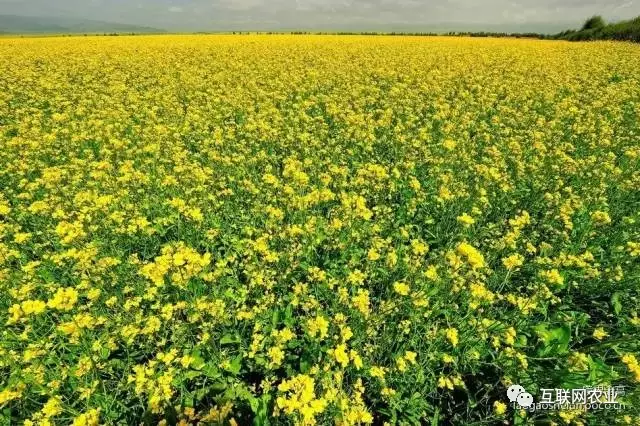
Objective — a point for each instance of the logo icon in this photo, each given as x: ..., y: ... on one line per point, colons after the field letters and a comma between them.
x: 516, y: 393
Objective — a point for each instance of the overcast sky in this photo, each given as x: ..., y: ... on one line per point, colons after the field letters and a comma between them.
x: 328, y: 14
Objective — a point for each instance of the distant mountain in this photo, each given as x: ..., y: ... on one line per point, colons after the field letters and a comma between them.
x: 14, y: 24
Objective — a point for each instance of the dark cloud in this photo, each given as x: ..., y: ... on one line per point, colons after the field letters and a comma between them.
x: 332, y: 14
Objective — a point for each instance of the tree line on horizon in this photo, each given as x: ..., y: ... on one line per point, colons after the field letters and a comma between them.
x: 594, y: 28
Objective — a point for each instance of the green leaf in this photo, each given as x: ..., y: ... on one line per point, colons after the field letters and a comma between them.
x: 189, y: 402
x: 218, y: 386
x: 600, y: 372
x: 236, y: 365
x: 517, y: 419
x: 46, y: 275
x: 104, y: 353
x: 562, y: 335
x: 435, y: 420
x: 229, y: 339
x: 555, y: 341
x: 288, y: 316
x: 254, y: 403
x: 521, y: 341
x: 615, y: 302
x: 211, y: 371
x: 261, y: 411
x: 192, y: 374
x: 198, y: 362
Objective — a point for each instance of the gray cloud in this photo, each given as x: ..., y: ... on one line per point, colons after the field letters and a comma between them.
x: 425, y: 15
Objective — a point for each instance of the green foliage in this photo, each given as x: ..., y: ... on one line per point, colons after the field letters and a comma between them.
x: 593, y: 23
x: 595, y: 29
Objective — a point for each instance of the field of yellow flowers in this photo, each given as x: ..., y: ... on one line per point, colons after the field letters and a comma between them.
x: 316, y: 229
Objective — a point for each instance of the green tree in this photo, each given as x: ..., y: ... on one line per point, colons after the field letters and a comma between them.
x: 593, y: 23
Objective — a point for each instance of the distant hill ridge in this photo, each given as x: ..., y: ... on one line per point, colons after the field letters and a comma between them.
x: 14, y: 24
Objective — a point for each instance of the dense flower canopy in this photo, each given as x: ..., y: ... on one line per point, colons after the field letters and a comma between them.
x: 315, y: 229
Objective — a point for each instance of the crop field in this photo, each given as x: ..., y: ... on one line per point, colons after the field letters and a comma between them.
x: 316, y: 230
